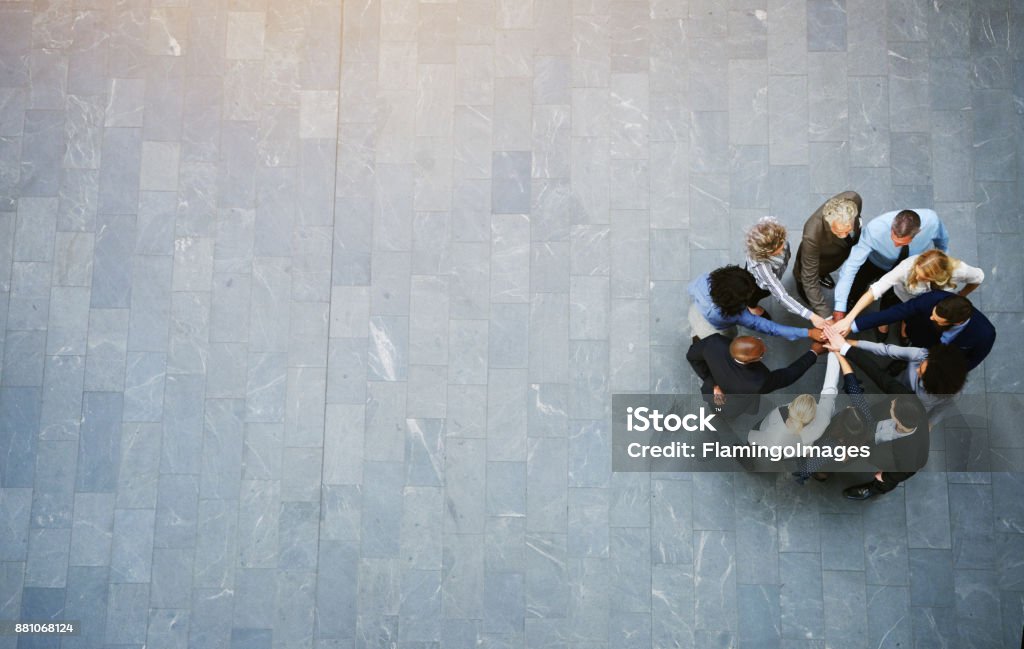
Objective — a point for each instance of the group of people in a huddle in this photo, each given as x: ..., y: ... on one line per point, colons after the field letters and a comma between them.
x: 900, y: 259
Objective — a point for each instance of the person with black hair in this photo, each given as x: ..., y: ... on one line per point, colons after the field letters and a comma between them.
x: 936, y: 374
x: 720, y: 300
x: 898, y: 430
x: 939, y: 317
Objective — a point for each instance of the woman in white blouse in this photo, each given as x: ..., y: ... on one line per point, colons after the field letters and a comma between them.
x: 931, y: 270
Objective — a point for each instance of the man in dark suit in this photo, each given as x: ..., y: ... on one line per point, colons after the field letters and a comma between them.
x: 939, y: 317
x: 828, y: 236
x: 898, y: 429
x: 733, y: 375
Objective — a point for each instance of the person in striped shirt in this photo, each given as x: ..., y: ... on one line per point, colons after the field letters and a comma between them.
x: 768, y: 256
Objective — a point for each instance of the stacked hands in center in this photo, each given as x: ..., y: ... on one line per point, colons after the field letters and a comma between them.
x: 899, y: 259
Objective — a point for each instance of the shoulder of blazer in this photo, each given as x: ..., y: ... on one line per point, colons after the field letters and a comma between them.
x: 716, y: 341
x: 815, y: 224
x: 931, y: 298
x: 980, y: 326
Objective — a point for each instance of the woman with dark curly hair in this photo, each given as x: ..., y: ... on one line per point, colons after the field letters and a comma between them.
x: 936, y: 374
x: 720, y: 300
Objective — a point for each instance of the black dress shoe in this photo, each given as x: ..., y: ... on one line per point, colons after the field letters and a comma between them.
x: 827, y: 281
x: 860, y: 492
x: 881, y: 336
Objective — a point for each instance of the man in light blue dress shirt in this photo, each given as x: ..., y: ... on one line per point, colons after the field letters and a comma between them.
x: 885, y: 241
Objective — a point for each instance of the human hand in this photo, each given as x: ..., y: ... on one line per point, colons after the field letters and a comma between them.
x: 838, y: 315
x: 816, y: 334
x: 818, y: 321
x: 719, y: 396
x: 835, y: 338
x: 818, y: 348
x: 843, y: 326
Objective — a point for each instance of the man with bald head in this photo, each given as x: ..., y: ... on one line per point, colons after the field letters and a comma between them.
x: 733, y: 375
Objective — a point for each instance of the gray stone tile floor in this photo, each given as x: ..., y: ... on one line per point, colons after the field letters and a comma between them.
x: 311, y: 314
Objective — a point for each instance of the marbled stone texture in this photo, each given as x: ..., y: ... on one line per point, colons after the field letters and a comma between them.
x: 311, y: 311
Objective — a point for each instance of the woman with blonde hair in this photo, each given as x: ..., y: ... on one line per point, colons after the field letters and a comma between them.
x: 768, y: 256
x: 929, y: 271
x: 802, y: 420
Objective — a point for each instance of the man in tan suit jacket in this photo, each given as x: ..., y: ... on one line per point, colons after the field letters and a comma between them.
x: 829, y: 234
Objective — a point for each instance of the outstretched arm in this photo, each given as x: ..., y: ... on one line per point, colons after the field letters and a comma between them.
x: 881, y: 378
x: 850, y: 350
x: 877, y: 290
x: 789, y: 375
x: 832, y: 374
x: 858, y: 255
x: 765, y: 276
x: 902, y: 311
x: 864, y: 302
x: 909, y: 354
x: 852, y: 387
x: 770, y: 327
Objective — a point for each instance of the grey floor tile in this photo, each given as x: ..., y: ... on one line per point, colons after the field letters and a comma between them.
x: 336, y: 589
x: 258, y: 517
x: 119, y: 179
x: 801, y: 607
x: 86, y: 599
x: 715, y: 582
x: 47, y: 562
x: 629, y: 571
x: 53, y: 496
x: 759, y: 614
x: 977, y: 608
x: 132, y: 549
x: 92, y: 530
x: 587, y: 528
x: 42, y: 603
x: 928, y: 530
x: 671, y: 522
x: 842, y: 542
x: 890, y: 619
x: 177, y: 511
x: 216, y: 544
x: 845, y: 604
x: 933, y: 627
x: 931, y: 576
x: 42, y: 146
x: 971, y: 526
x: 462, y: 577
x: 171, y: 584
x: 503, y: 603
